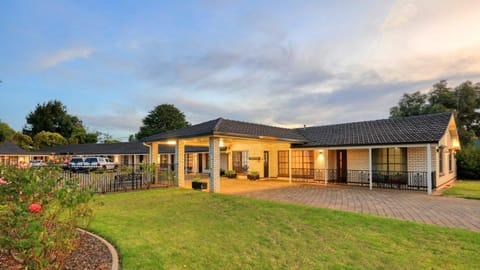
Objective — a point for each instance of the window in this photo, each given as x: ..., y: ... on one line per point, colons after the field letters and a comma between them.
x: 283, y: 163
x: 240, y: 161
x: 440, y: 160
x: 390, y: 159
x: 189, y: 162
x: 302, y: 163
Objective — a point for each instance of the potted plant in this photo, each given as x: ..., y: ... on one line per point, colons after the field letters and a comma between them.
x: 197, y: 184
x: 231, y: 174
x: 253, y: 175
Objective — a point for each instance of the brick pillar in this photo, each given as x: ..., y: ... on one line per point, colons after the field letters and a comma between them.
x: 153, y: 159
x: 180, y: 162
x: 214, y: 161
x: 429, y: 170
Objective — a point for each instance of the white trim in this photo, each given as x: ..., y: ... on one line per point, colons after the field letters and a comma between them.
x: 360, y: 147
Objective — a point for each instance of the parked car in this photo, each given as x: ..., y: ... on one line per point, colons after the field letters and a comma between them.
x: 36, y: 163
x: 76, y: 164
x: 92, y: 163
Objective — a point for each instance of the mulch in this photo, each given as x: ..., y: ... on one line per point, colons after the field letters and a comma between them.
x: 91, y: 253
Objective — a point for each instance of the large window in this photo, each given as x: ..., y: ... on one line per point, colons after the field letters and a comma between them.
x: 240, y: 161
x: 390, y: 159
x: 283, y: 163
x: 302, y: 163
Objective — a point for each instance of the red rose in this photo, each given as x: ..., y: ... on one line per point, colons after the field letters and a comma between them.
x: 34, y: 207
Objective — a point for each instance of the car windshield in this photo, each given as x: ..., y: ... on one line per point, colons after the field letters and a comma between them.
x: 76, y: 160
x: 90, y: 160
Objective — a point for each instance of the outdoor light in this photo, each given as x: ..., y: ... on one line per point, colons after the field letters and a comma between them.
x: 456, y: 145
x: 171, y: 142
x: 221, y: 143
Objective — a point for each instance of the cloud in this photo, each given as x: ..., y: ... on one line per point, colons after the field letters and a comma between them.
x: 64, y: 55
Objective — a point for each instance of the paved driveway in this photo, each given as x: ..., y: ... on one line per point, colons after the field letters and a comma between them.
x: 406, y: 205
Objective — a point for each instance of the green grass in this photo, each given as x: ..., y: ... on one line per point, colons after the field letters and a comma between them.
x: 465, y: 189
x: 183, y: 229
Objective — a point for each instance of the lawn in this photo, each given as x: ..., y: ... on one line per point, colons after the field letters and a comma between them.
x: 183, y: 229
x: 465, y: 189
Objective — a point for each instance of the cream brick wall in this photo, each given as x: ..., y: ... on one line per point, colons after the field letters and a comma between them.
x: 256, y: 149
x: 357, y: 159
x: 447, y: 175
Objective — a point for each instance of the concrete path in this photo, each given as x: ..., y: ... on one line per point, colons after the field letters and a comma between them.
x: 406, y: 205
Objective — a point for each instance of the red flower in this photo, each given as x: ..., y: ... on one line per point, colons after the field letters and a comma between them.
x: 34, y: 207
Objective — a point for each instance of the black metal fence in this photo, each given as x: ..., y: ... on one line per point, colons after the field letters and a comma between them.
x: 123, y: 178
x: 409, y: 180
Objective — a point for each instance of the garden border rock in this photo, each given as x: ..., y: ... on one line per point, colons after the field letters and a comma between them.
x: 111, y: 248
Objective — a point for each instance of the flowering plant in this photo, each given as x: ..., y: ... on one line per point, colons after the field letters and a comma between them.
x: 39, y: 214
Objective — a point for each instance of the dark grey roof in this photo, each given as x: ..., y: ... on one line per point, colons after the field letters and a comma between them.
x: 9, y: 148
x: 228, y: 127
x: 125, y: 148
x: 163, y: 148
x: 405, y: 130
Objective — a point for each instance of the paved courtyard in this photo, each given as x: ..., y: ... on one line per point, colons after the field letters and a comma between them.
x: 406, y: 205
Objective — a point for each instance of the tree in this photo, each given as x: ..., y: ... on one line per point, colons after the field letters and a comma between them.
x: 409, y: 105
x: 107, y: 138
x: 162, y: 118
x: 53, y: 117
x: 463, y: 100
x: 6, y: 132
x: 22, y: 140
x: 45, y: 139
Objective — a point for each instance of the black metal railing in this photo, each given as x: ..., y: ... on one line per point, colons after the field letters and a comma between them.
x: 122, y: 178
x: 409, y: 180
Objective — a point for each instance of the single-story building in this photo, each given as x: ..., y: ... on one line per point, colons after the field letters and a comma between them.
x: 12, y: 154
x: 416, y: 152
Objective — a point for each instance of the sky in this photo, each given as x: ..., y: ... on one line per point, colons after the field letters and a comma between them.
x: 282, y: 63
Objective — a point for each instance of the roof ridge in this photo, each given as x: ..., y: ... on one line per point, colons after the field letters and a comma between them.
x: 219, y: 122
x: 378, y: 120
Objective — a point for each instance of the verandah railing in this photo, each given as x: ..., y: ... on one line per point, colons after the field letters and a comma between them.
x: 409, y: 180
x: 123, y: 178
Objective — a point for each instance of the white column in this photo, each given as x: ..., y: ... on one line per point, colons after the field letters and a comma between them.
x: 180, y: 162
x: 370, y: 178
x: 290, y: 165
x: 429, y: 169
x: 214, y: 161
x: 325, y: 169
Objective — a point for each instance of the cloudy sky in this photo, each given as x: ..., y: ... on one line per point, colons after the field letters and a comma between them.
x: 285, y: 63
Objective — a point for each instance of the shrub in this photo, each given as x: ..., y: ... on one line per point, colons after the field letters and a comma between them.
x: 39, y: 214
x: 253, y: 175
x: 468, y: 163
x: 231, y: 174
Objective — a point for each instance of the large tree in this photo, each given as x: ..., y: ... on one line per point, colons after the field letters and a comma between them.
x: 45, y: 139
x: 162, y: 118
x: 463, y: 100
x: 6, y: 132
x: 53, y: 117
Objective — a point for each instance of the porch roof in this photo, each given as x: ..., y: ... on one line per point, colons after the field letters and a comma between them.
x: 228, y: 127
x: 404, y: 130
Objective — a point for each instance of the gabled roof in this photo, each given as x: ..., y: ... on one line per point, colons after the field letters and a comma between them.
x: 228, y: 127
x: 404, y: 130
x: 9, y: 148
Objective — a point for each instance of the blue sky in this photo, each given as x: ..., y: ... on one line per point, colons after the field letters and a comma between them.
x: 285, y: 63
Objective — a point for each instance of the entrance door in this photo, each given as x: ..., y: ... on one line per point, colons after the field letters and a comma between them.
x: 265, y: 164
x: 342, y: 166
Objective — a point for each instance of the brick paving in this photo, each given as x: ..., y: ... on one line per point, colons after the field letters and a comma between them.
x: 406, y: 205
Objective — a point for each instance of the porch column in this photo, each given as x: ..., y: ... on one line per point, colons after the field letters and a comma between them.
x: 370, y: 178
x: 214, y: 159
x: 325, y: 170
x: 180, y: 162
x: 290, y: 165
x: 153, y: 159
x: 429, y: 169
